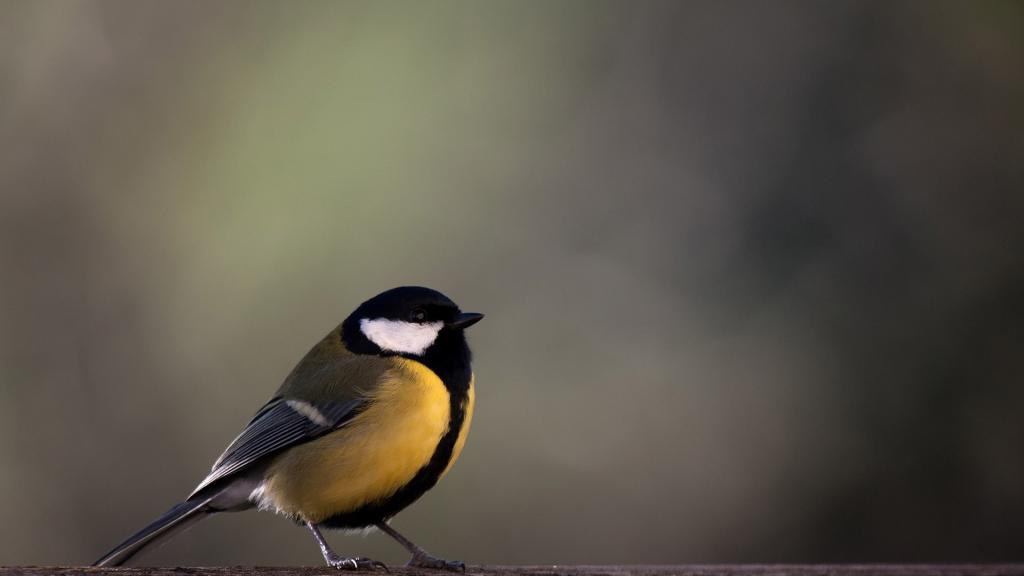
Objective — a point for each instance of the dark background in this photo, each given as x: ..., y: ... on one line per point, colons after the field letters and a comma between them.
x: 752, y: 270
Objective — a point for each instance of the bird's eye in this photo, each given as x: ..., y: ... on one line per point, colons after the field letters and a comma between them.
x: 418, y: 315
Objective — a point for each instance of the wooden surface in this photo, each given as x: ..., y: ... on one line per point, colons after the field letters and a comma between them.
x: 555, y: 570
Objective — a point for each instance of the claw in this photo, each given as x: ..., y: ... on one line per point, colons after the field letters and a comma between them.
x: 359, y: 563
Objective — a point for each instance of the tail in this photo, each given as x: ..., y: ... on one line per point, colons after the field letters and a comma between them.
x: 175, y: 520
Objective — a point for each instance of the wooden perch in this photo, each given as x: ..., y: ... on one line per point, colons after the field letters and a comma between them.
x: 556, y: 570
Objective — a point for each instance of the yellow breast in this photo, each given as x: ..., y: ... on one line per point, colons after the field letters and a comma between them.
x: 372, y: 456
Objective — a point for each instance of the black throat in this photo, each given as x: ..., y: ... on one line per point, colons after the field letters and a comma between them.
x: 449, y: 357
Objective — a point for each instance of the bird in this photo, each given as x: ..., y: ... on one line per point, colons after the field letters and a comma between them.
x: 369, y: 420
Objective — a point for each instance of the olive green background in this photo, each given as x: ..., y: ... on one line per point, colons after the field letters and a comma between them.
x: 752, y: 271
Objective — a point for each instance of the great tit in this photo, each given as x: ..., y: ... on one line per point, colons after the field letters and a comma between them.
x: 370, y: 419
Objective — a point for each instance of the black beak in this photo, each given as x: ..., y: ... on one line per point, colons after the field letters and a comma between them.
x: 465, y: 320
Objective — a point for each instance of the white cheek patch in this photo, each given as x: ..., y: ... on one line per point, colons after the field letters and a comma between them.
x: 399, y: 336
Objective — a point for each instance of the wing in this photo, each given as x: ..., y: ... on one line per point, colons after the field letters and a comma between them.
x: 324, y: 391
x: 281, y: 423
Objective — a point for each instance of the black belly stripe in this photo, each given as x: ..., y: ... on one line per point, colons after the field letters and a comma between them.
x: 449, y: 358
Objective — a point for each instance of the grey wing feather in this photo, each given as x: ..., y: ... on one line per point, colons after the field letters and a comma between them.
x: 276, y: 426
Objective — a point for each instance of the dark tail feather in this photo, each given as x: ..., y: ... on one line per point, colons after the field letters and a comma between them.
x: 178, y: 518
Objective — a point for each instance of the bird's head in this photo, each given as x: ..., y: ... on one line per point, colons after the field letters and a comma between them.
x: 407, y: 321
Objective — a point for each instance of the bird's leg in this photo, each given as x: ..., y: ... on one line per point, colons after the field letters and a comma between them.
x: 341, y: 562
x: 420, y: 558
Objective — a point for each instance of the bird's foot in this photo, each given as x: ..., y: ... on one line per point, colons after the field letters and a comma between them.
x: 360, y: 563
x: 428, y: 561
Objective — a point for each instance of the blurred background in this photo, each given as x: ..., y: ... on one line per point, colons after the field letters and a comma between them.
x: 753, y: 271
